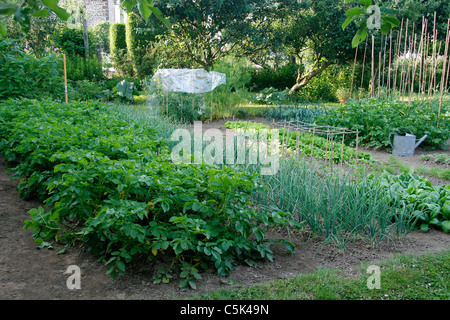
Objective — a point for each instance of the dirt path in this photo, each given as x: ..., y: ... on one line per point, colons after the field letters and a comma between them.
x: 30, y: 273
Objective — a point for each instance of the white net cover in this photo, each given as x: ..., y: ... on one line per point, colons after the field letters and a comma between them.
x: 188, y: 80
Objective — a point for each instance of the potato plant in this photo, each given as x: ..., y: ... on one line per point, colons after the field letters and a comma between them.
x: 108, y: 183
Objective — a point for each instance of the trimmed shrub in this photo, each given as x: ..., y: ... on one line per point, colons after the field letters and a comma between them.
x: 117, y: 40
x: 140, y: 38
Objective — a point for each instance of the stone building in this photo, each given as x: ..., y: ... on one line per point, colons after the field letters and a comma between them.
x: 101, y: 10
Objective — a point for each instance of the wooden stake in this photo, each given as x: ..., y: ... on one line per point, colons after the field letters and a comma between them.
x: 210, y: 117
x: 372, y: 89
x: 443, y: 68
x: 384, y: 58
x: 353, y: 72
x: 379, y: 73
x: 402, y: 74
x: 342, y: 150
x: 312, y: 143
x: 389, y: 67
x: 356, y: 160
x: 65, y: 79
x: 364, y: 63
x: 397, y: 53
x: 418, y: 58
x: 430, y: 86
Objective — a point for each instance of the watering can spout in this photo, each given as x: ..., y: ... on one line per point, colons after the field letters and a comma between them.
x: 420, y: 141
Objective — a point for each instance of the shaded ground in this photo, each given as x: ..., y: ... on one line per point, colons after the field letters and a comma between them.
x: 29, y: 273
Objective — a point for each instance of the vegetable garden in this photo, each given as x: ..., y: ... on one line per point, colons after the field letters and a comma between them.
x: 101, y: 166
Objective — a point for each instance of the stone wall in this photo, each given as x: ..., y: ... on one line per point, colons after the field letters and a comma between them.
x: 102, y: 10
x: 96, y: 11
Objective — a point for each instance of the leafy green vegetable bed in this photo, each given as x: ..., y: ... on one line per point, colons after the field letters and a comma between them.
x: 430, y: 205
x: 108, y: 182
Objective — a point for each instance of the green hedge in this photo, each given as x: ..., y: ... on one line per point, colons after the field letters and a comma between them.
x: 140, y: 36
x: 117, y: 41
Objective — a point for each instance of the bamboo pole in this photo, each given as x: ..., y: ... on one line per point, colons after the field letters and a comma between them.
x: 447, y: 35
x: 421, y: 55
x: 430, y: 85
x: 407, y: 77
x: 389, y: 67
x: 397, y: 53
x: 425, y: 67
x: 65, y: 79
x: 356, y: 160
x: 412, y: 51
x: 372, y: 89
x: 364, y: 63
x: 384, y: 57
x: 353, y: 71
x: 312, y: 144
x: 402, y: 74
x: 446, y: 77
x: 379, y: 73
x: 211, y: 113
x: 418, y: 59
x: 342, y: 150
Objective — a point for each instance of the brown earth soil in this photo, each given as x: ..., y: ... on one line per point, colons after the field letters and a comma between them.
x: 30, y: 273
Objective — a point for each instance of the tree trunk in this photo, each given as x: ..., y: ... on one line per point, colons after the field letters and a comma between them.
x: 302, y: 80
x: 85, y: 39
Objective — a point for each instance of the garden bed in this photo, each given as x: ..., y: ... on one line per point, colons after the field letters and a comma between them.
x: 29, y: 273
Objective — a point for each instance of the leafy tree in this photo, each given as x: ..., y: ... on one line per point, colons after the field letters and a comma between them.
x: 370, y: 16
x: 23, y: 10
x: 414, y: 10
x: 312, y: 33
x: 206, y: 30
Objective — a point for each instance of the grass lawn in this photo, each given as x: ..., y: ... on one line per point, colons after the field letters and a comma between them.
x: 422, y: 277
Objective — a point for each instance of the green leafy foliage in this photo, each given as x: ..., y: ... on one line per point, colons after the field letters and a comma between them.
x: 140, y: 36
x: 31, y: 8
x: 124, y: 91
x: 376, y: 119
x: 428, y: 204
x: 23, y: 75
x: 117, y: 40
x: 80, y: 68
x: 107, y: 182
x: 71, y: 41
x: 281, y: 78
x: 370, y: 16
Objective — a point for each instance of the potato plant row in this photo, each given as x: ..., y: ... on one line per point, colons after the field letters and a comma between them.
x: 108, y: 183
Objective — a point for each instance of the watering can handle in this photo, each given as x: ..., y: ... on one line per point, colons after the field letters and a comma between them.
x: 390, y: 134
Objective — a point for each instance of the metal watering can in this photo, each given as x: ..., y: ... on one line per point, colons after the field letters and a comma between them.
x: 405, y: 144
